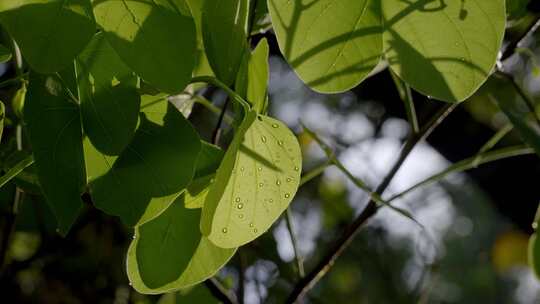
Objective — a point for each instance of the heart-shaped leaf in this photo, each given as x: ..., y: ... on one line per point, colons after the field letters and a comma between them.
x: 50, y: 33
x: 155, y: 38
x: 331, y: 45
x: 254, y: 184
x: 153, y: 170
x: 54, y: 129
x: 169, y: 253
x: 443, y: 49
x: 109, y: 98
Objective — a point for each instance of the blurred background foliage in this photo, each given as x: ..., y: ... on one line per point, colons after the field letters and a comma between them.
x: 473, y: 250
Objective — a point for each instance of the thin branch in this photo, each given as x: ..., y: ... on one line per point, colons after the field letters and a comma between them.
x: 311, y: 279
x: 220, y: 292
x: 315, y: 172
x: 15, y: 170
x: 212, y: 108
x: 297, y: 255
x: 405, y: 94
x: 469, y: 163
x: 216, y: 82
x: 511, y: 48
x: 495, y: 139
x: 216, y: 134
x: 526, y: 98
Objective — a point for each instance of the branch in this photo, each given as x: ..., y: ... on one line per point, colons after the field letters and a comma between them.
x: 297, y: 256
x: 511, y: 48
x: 469, y: 163
x: 311, y: 279
x: 220, y: 292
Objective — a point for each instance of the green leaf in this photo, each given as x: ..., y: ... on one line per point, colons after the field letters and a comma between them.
x: 2, y: 117
x: 255, y: 183
x: 443, y: 49
x: 54, y: 130
x: 152, y: 171
x: 169, y: 252
x: 252, y: 78
x: 155, y: 38
x: 50, y: 33
x: 16, y: 170
x: 5, y: 54
x: 502, y: 92
x: 110, y: 110
x: 208, y: 162
x: 331, y: 45
x: 534, y: 254
x: 197, y: 294
x: 224, y: 25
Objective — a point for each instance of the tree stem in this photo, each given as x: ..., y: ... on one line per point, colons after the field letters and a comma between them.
x: 312, y: 278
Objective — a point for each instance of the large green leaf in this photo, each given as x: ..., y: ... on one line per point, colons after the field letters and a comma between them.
x: 155, y: 38
x: 109, y: 109
x: 50, y: 33
x: 5, y: 54
x: 152, y: 171
x: 503, y: 93
x: 224, y: 25
x: 255, y: 183
x: 197, y: 294
x: 332, y: 45
x: 252, y: 78
x: 169, y: 252
x: 443, y: 49
x: 54, y: 130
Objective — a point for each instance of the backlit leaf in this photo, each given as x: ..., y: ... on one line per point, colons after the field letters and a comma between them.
x: 443, y: 49
x: 331, y: 45
x: 224, y: 25
x: 54, y: 130
x: 254, y: 184
x: 155, y: 38
x: 152, y: 171
x: 169, y: 252
x: 252, y: 78
x: 109, y: 98
x: 50, y: 33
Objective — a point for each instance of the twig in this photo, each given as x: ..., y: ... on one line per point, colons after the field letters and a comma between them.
x: 511, y: 48
x: 294, y: 241
x: 311, y: 279
x: 220, y: 292
x: 526, y: 98
x: 15, y: 170
x: 469, y: 163
x: 216, y: 134
x: 405, y: 94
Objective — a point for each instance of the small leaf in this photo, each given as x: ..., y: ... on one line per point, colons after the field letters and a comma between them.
x: 109, y: 98
x: 5, y: 54
x: 54, y: 130
x: 224, y: 25
x: 254, y: 184
x: 443, y: 49
x: 155, y: 38
x: 331, y: 45
x: 152, y: 171
x: 534, y: 254
x: 169, y: 253
x: 50, y: 33
x: 252, y: 78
